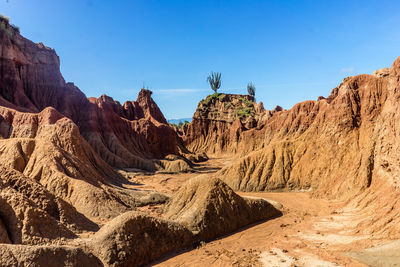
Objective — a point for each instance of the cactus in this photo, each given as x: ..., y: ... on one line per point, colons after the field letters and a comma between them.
x: 251, y: 89
x: 215, y: 81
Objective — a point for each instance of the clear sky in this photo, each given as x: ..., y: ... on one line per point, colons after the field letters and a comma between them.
x: 291, y: 50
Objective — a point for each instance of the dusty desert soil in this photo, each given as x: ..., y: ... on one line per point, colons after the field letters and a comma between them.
x: 311, y: 232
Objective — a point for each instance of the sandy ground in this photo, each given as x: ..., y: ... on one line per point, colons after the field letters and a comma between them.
x: 311, y: 232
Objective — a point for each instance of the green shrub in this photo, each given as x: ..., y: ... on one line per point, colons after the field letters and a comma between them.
x: 244, y: 112
x: 246, y: 102
x: 209, y: 99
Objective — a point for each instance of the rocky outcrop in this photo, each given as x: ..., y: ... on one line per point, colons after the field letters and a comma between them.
x: 125, y: 136
x: 130, y: 136
x: 220, y: 120
x: 210, y: 208
x: 203, y: 209
x: 49, y: 149
x: 135, y: 239
x: 381, y: 73
x: 329, y: 145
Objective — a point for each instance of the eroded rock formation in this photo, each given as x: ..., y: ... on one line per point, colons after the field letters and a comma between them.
x: 59, y: 152
x: 343, y: 146
x: 210, y: 208
x: 48, y: 148
x: 126, y: 136
x: 329, y: 145
x: 219, y: 122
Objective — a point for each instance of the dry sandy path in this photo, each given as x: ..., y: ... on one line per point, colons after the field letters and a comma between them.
x: 290, y: 240
x: 311, y: 232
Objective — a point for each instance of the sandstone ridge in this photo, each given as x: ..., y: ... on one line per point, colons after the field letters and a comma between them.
x: 343, y: 146
x: 125, y: 136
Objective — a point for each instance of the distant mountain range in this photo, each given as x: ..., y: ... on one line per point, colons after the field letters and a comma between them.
x: 177, y: 121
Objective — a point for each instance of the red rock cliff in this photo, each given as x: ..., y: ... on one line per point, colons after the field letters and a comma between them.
x: 124, y: 136
x: 219, y: 121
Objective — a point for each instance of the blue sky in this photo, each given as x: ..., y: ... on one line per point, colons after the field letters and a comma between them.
x: 291, y: 50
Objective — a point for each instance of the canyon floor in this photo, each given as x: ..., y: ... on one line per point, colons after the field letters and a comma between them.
x: 311, y: 231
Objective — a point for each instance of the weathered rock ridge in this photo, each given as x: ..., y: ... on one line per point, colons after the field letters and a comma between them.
x: 125, y: 136
x: 343, y: 146
x: 329, y: 144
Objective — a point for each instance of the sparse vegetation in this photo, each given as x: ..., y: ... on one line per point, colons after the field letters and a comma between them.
x: 246, y: 102
x: 242, y: 109
x: 221, y: 97
x: 8, y: 28
x: 2, y: 17
x: 210, y: 98
x: 251, y: 89
x: 229, y: 105
x: 244, y: 112
x: 214, y: 80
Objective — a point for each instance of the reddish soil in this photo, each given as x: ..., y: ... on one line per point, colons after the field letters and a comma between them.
x: 311, y: 232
